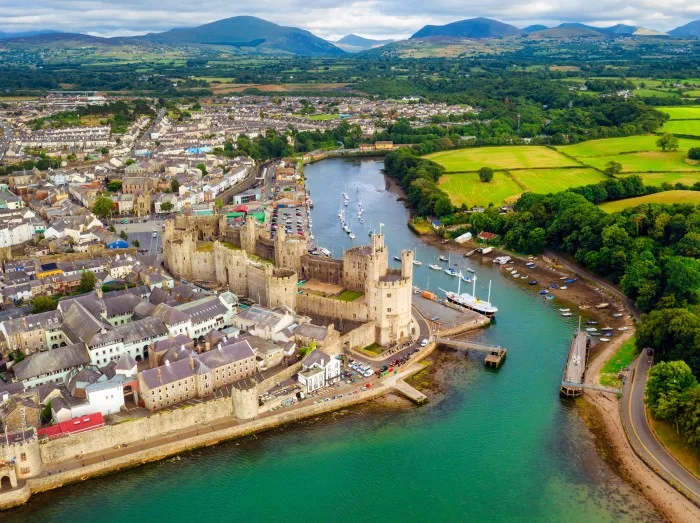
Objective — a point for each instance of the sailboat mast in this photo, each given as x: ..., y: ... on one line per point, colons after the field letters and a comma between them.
x: 474, y: 286
x: 489, y: 299
x: 459, y: 283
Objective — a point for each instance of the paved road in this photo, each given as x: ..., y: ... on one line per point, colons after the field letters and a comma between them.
x: 598, y: 281
x: 642, y: 439
x: 139, y: 144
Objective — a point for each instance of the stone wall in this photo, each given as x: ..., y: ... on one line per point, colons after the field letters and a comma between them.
x: 362, y: 336
x: 136, y: 430
x: 313, y: 305
x: 203, y: 267
x: 265, y: 248
x: 326, y: 270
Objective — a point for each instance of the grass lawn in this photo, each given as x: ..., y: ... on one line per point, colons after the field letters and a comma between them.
x: 421, y: 226
x: 674, y: 443
x: 467, y: 188
x: 348, y: 296
x: 507, y: 157
x: 667, y: 197
x: 205, y: 247
x: 621, y: 359
x: 656, y: 179
x: 647, y: 161
x: 688, y: 112
x: 556, y: 180
x: 374, y: 349
x: 323, y: 117
x: 691, y: 127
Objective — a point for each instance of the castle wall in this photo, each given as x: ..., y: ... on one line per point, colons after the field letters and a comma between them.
x: 361, y: 337
x: 282, y: 289
x: 326, y: 270
x: 265, y: 248
x: 156, y: 424
x: 314, y: 305
x: 203, y: 266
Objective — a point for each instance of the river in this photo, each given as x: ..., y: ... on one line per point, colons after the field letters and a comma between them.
x: 500, y: 446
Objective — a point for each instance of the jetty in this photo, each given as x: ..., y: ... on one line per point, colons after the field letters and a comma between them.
x: 572, y: 381
x: 409, y: 392
x: 495, y: 355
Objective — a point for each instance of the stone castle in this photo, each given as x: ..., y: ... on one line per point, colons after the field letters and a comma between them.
x: 247, y: 262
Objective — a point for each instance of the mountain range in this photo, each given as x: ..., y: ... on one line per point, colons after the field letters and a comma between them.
x: 251, y: 34
x: 354, y: 44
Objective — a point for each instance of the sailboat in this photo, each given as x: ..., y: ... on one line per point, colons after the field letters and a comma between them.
x: 470, y: 301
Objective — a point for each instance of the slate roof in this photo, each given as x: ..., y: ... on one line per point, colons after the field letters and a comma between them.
x: 315, y: 332
x: 144, y: 329
x: 83, y: 324
x: 316, y: 357
x: 169, y: 315
x: 54, y: 360
x: 119, y: 305
x: 204, y: 309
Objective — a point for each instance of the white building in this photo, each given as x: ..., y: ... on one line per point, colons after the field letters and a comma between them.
x: 319, y: 370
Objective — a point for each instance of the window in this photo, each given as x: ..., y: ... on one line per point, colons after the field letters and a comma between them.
x: 23, y: 456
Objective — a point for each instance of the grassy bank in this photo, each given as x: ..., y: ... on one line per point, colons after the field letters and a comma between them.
x: 679, y: 449
x: 621, y: 359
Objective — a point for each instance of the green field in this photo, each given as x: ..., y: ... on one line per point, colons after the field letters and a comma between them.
x: 655, y: 92
x: 647, y: 161
x: 656, y: 179
x: 608, y: 146
x: 468, y: 189
x: 508, y: 157
x: 667, y: 197
x: 690, y: 127
x: 690, y: 112
x: 556, y: 180
x: 322, y: 117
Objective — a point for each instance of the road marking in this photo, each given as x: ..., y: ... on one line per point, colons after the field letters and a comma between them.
x: 653, y: 457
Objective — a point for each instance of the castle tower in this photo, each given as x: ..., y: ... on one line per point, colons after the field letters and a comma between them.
x: 249, y: 235
x: 407, y: 265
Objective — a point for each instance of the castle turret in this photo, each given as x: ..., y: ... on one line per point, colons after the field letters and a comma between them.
x: 407, y: 264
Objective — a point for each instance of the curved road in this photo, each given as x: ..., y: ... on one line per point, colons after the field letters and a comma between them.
x: 643, y: 440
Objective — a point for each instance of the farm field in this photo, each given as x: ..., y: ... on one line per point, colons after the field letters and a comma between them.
x: 689, y: 112
x: 656, y: 179
x: 468, y: 189
x: 627, y: 144
x: 555, y: 180
x: 690, y: 127
x: 647, y: 161
x: 667, y: 197
x: 514, y: 157
x: 656, y: 92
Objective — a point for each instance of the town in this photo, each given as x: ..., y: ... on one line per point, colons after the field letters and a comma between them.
x: 154, y: 275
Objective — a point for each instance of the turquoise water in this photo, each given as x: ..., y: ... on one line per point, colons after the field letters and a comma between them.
x: 500, y: 446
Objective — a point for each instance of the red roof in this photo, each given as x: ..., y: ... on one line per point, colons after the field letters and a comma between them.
x: 74, y: 426
x: 241, y: 208
x: 487, y: 235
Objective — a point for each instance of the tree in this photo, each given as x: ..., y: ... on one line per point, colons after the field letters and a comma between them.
x: 443, y: 207
x: 486, y: 174
x: 667, y: 377
x: 667, y: 142
x: 103, y: 207
x: 694, y: 153
x: 136, y: 243
x: 43, y: 304
x: 114, y: 186
x: 88, y: 280
x: 612, y: 168
x: 112, y: 228
x: 202, y: 168
x: 123, y: 235
x: 174, y: 185
x: 104, y: 150
x: 166, y: 206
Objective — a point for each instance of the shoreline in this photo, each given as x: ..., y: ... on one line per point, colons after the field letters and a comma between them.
x: 623, y: 461
x: 228, y: 429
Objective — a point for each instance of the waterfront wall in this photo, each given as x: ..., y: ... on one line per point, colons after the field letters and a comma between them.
x: 206, y: 438
x: 137, y: 430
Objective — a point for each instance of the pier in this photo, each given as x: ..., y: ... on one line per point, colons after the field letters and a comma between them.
x: 409, y: 392
x: 572, y: 382
x: 495, y: 356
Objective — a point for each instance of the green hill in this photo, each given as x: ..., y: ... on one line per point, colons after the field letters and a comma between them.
x: 248, y: 32
x: 689, y: 29
x: 472, y: 28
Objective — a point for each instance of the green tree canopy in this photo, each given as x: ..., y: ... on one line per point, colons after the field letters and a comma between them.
x: 43, y: 304
x: 88, y: 280
x: 667, y: 142
x: 486, y: 174
x: 103, y: 207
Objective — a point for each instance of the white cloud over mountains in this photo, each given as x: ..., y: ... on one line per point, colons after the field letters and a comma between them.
x: 332, y: 19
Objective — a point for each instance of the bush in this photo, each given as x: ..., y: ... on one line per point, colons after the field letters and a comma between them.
x: 486, y: 174
x: 694, y: 153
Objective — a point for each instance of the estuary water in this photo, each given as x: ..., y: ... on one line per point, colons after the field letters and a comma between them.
x: 500, y: 446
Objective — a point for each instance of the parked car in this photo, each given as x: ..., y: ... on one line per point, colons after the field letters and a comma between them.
x: 424, y: 343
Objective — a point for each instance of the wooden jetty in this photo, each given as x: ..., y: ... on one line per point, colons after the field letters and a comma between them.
x: 572, y: 381
x: 495, y: 356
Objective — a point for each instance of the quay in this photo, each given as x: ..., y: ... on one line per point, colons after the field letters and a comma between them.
x: 409, y: 392
x: 572, y: 382
x: 495, y: 356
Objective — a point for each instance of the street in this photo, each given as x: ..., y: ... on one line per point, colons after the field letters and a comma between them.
x: 642, y: 439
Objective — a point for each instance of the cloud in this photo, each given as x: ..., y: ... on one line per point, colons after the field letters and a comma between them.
x: 328, y: 19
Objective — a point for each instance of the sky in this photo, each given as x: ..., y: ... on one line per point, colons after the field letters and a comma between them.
x: 331, y: 19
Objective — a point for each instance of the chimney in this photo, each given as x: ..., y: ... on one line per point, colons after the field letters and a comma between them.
x: 160, y: 376
x: 191, y: 362
x: 98, y: 291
